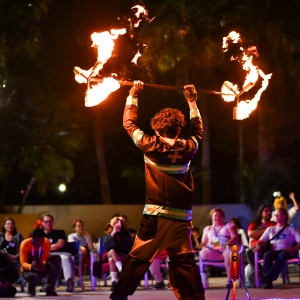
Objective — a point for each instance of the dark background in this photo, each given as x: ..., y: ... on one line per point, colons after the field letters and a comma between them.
x: 41, y: 42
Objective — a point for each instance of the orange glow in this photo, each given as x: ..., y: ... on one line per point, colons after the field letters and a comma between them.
x: 136, y: 57
x: 82, y: 75
x: 244, y: 107
x: 140, y: 10
x: 98, y: 93
x: 105, y: 42
x: 233, y: 36
x: 229, y: 88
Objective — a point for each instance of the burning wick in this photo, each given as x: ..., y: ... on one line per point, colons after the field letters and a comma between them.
x: 104, y: 42
x: 79, y: 72
x: 245, y: 107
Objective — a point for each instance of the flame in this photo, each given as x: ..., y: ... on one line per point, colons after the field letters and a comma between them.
x: 98, y: 93
x: 104, y: 42
x: 245, y: 107
x: 229, y: 88
x: 82, y: 75
x: 233, y: 36
x: 140, y: 10
x: 134, y: 60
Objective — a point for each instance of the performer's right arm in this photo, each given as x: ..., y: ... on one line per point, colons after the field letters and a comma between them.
x: 130, y: 117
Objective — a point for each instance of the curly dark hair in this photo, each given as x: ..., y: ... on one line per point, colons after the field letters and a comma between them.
x: 259, y: 214
x: 167, y: 122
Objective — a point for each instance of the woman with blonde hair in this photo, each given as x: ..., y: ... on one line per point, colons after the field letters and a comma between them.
x: 280, y: 202
x: 216, y: 237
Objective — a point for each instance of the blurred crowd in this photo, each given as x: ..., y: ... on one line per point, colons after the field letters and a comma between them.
x: 48, y: 256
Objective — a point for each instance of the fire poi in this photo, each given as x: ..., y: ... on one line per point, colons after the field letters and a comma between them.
x: 244, y: 107
x: 99, y: 88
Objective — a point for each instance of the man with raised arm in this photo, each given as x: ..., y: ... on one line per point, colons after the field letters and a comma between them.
x: 166, y: 222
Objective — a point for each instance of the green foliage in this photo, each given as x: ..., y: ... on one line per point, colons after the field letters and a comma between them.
x: 40, y: 126
x: 184, y: 43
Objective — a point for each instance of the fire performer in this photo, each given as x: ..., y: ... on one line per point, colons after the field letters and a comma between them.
x: 166, y: 222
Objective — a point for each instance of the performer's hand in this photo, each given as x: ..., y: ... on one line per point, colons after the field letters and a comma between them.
x: 190, y: 92
x: 137, y: 88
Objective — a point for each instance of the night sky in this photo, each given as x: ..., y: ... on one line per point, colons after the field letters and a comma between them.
x: 270, y: 142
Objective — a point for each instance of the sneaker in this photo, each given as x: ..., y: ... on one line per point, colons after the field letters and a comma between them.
x: 43, y: 288
x: 51, y: 293
x: 31, y: 290
x: 159, y: 285
x: 113, y: 285
x: 267, y: 282
x: 118, y: 297
x: 70, y: 285
x: 268, y: 285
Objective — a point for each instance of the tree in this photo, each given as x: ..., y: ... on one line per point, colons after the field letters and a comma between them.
x: 185, y: 44
x: 40, y: 128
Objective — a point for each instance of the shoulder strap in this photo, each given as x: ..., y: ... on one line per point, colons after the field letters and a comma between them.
x: 278, y: 233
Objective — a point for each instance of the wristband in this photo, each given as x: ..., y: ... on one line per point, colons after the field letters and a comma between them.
x: 131, y: 100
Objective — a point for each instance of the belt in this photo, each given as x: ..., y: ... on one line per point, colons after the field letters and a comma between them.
x: 168, y: 212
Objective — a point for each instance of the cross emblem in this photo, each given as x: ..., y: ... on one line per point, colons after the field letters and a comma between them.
x: 174, y: 156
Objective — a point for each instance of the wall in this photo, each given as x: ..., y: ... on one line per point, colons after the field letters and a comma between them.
x: 96, y: 216
x: 24, y: 222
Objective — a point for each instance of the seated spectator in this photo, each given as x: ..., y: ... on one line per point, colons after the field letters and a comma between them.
x: 8, y: 275
x: 124, y: 219
x: 132, y: 233
x: 118, y: 244
x: 243, y: 240
x: 280, y: 202
x: 114, y: 218
x: 255, y: 231
x: 155, y: 270
x: 10, y: 239
x: 58, y: 239
x: 216, y: 237
x: 282, y: 247
x: 196, y: 238
x: 37, y: 264
x: 86, y: 244
x: 107, y: 230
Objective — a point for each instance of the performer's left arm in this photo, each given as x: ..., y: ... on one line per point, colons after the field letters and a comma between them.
x: 196, y: 126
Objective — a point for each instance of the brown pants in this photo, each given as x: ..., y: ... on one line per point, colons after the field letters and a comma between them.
x: 184, y: 275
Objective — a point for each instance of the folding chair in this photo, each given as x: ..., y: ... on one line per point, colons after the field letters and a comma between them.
x: 219, y: 264
x: 285, y: 277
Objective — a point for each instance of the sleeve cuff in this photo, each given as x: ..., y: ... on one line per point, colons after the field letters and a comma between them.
x: 131, y: 100
x: 194, y: 112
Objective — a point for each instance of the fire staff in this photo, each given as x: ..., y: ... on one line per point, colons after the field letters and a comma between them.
x: 166, y: 222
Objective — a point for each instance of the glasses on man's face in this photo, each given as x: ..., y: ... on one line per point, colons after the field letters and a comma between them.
x: 50, y: 221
